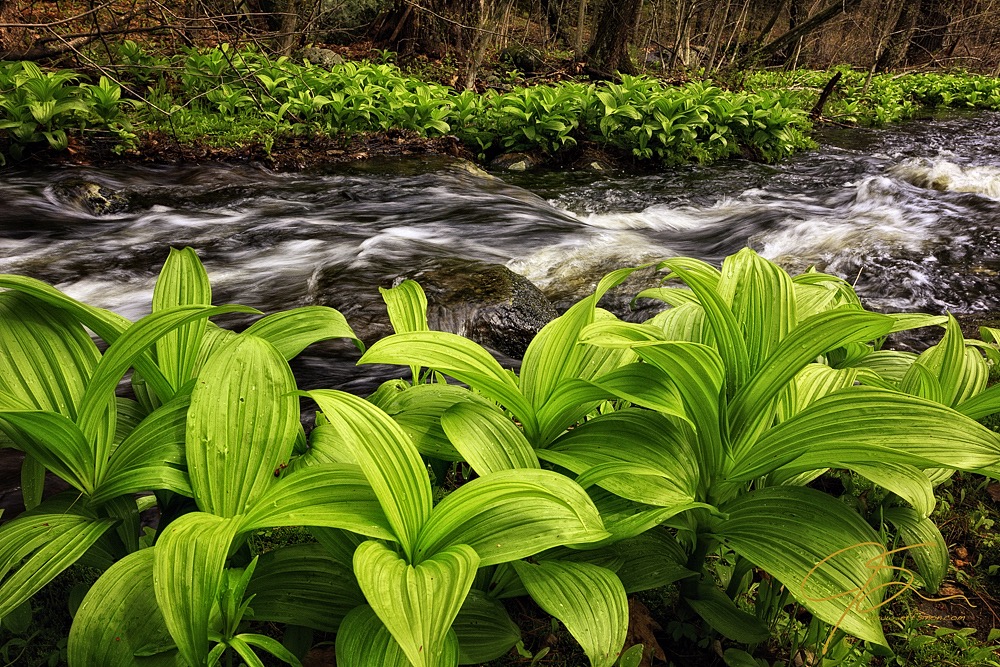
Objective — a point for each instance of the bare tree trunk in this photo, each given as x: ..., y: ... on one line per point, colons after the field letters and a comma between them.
x: 802, y: 29
x: 616, y: 29
x: 581, y: 18
x: 898, y: 39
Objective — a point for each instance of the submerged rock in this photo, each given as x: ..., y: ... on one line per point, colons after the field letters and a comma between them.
x: 514, y: 162
x: 93, y: 198
x: 487, y: 303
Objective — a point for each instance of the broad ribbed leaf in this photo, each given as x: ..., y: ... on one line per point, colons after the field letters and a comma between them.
x: 650, y: 560
x: 512, y: 514
x: 182, y: 282
x: 946, y: 361
x: 407, y: 306
x: 364, y: 641
x: 975, y: 376
x: 418, y: 410
x: 334, y: 495
x: 292, y: 331
x: 46, y: 357
x: 672, y: 296
x: 651, y: 458
x: 303, y: 585
x: 863, y: 423
x: 981, y: 405
x: 828, y: 558
x: 589, y: 600
x: 729, y: 336
x: 926, y: 545
x: 57, y: 443
x: 388, y: 458
x: 188, y: 573
x: 572, y: 401
x: 555, y: 354
x: 751, y: 409
x: 686, y: 322
x: 32, y: 481
x: 418, y: 603
x: 35, y: 548
x: 762, y: 299
x: 720, y: 612
x: 816, y: 381
x: 461, y: 359
x: 104, y: 323
x: 97, y: 408
x: 151, y: 457
x: 645, y: 385
x: 699, y: 374
x: 484, y: 630
x: 907, y: 482
x: 241, y: 425
x: 119, y: 616
x: 888, y: 364
x: 487, y: 439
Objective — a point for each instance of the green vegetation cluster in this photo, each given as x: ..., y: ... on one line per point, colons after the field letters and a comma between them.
x: 621, y: 458
x: 883, y: 98
x: 232, y: 97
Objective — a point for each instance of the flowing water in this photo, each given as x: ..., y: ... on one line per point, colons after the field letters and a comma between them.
x: 911, y: 214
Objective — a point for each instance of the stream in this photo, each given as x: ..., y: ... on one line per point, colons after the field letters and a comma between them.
x: 910, y: 214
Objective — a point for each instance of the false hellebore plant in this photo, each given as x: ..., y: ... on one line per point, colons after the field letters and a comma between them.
x: 727, y: 405
x: 621, y: 459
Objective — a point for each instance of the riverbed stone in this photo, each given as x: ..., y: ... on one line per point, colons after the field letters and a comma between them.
x: 514, y: 162
x: 93, y: 198
x: 487, y: 303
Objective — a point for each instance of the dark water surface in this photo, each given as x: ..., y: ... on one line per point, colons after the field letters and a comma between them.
x: 910, y: 213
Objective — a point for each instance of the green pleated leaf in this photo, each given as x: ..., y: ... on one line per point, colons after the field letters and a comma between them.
x: 922, y: 382
x: 484, y: 630
x: 334, y: 495
x: 407, y: 306
x: 975, y: 377
x: 844, y: 294
x: 645, y: 385
x: 982, y: 404
x: 57, y: 443
x: 751, y: 409
x: 46, y: 357
x: 888, y: 364
x: 104, y: 323
x: 458, y: 357
x: 35, y: 548
x: 389, y: 460
x: 572, y: 401
x: 589, y: 600
x: 672, y: 296
x: 303, y: 585
x: 512, y: 514
x: 645, y: 457
x: 907, y: 321
x: 827, y: 556
x: 182, y: 282
x: 699, y: 374
x: 418, y: 410
x: 762, y: 299
x: 418, y: 603
x: 32, y: 481
x: 97, y: 407
x: 729, y: 340
x: 927, y: 547
x: 946, y: 361
x: 188, y: 574
x: 270, y: 645
x: 151, y: 457
x: 816, y: 381
x: 720, y: 612
x: 364, y: 641
x: 292, y: 331
x: 615, y: 333
x: 119, y: 617
x: 684, y: 323
x: 241, y: 425
x: 555, y: 354
x: 864, y: 423
x: 907, y: 482
x: 487, y: 439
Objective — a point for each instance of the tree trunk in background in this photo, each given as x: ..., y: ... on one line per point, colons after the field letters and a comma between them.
x: 616, y: 27
x: 436, y: 28
x: 928, y: 37
x: 782, y: 43
x: 899, y: 38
